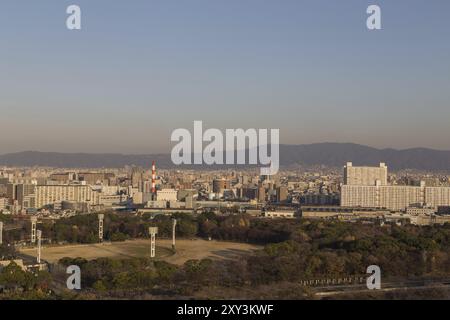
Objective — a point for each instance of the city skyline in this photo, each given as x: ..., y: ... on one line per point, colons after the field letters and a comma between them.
x: 135, y: 73
x: 224, y: 155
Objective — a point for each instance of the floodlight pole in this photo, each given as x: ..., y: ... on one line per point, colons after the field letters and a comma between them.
x: 33, y: 229
x: 39, y: 237
x: 173, y: 233
x: 153, y: 231
x: 101, y: 217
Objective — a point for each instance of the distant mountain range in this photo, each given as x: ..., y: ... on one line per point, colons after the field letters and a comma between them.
x: 328, y: 154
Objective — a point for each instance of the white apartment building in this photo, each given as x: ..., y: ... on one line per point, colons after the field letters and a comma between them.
x: 167, y: 195
x: 418, y: 211
x: 50, y: 194
x: 365, y: 176
x: 437, y: 196
x: 394, y: 197
x: 108, y: 201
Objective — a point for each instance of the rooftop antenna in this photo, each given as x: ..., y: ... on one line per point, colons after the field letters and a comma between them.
x: 153, y: 231
x: 33, y: 229
x: 101, y: 217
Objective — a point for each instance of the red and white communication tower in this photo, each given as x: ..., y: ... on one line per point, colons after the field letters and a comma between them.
x: 154, y: 178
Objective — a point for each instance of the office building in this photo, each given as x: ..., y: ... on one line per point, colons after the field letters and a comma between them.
x: 282, y: 194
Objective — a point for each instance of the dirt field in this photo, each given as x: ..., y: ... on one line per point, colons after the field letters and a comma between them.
x: 186, y: 250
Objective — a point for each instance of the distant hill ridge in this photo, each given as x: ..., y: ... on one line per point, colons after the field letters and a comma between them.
x: 329, y: 154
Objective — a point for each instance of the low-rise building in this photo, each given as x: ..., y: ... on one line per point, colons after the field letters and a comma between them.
x: 280, y: 214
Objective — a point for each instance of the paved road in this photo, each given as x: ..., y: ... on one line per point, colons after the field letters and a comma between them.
x: 385, y: 287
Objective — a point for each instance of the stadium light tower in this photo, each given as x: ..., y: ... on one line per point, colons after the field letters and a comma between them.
x: 153, y: 231
x: 101, y: 217
x: 173, y: 233
x: 33, y: 229
x: 1, y: 233
x: 39, y: 236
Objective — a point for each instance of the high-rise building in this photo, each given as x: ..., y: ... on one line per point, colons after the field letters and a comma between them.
x: 261, y: 193
x: 243, y: 179
x: 220, y: 185
x: 25, y: 195
x: 392, y: 197
x: 11, y: 192
x: 365, y: 176
x: 94, y: 178
x: 53, y: 194
x: 64, y: 178
x: 136, y: 177
x: 146, y: 186
x: 248, y: 193
x: 282, y: 193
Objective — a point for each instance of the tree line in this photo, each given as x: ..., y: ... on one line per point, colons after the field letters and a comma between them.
x: 293, y: 250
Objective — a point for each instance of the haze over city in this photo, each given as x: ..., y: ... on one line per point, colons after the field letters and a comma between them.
x: 135, y: 72
x: 226, y: 156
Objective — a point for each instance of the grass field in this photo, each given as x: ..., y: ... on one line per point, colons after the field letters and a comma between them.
x: 186, y: 250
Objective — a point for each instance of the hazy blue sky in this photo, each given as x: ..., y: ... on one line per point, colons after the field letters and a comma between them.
x: 140, y: 69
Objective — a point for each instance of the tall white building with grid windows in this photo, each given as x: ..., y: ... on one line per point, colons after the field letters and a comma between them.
x: 46, y: 195
x: 365, y: 176
x: 390, y: 197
